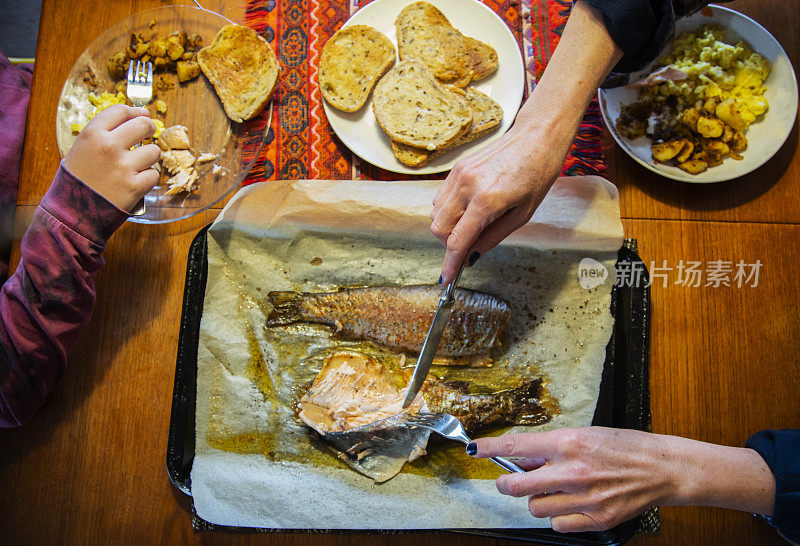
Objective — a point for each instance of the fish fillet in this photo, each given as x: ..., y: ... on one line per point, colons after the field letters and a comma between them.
x: 398, y: 317
x: 351, y: 392
x: 353, y: 405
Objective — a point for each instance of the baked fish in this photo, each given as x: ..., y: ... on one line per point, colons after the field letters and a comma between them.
x: 357, y: 408
x: 351, y: 392
x: 398, y: 317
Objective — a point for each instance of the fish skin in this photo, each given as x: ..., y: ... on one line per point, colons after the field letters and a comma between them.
x: 517, y: 406
x: 357, y: 412
x: 398, y: 317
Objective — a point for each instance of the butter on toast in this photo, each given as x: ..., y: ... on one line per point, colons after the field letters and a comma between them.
x: 413, y: 108
x: 486, y: 117
x: 243, y: 69
x: 353, y: 60
x: 424, y: 33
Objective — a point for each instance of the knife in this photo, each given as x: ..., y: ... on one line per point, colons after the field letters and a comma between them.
x: 431, y: 345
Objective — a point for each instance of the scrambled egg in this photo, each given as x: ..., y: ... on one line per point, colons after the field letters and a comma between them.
x: 721, y: 70
x: 106, y: 100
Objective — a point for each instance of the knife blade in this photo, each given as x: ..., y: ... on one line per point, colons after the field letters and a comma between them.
x: 431, y: 345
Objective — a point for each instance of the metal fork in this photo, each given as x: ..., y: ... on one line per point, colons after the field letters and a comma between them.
x: 450, y: 427
x: 140, y: 91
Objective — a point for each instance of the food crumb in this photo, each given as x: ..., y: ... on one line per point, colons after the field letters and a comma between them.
x: 316, y: 261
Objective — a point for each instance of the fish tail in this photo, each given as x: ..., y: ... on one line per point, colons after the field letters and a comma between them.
x: 286, y: 308
x: 525, y: 403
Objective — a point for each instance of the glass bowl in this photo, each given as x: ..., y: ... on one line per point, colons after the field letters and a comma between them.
x: 193, y: 104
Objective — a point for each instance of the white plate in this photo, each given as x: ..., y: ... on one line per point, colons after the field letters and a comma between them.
x: 765, y: 137
x: 360, y: 132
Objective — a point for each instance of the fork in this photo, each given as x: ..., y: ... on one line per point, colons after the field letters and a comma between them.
x: 140, y: 91
x: 450, y: 427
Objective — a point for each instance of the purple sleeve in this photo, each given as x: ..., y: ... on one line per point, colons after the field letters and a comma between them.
x: 50, y: 297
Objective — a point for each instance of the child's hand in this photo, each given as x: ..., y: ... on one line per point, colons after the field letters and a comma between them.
x: 101, y: 156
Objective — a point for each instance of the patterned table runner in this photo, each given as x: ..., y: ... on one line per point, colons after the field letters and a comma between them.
x: 301, y: 143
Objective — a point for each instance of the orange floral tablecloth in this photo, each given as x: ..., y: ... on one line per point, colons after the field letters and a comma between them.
x: 301, y: 143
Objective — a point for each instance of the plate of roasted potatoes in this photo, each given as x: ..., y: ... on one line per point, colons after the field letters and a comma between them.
x: 210, y: 76
x: 717, y: 104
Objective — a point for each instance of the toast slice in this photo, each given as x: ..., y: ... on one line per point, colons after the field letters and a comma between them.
x: 486, y: 117
x: 243, y: 69
x: 413, y: 108
x: 424, y: 33
x: 353, y: 60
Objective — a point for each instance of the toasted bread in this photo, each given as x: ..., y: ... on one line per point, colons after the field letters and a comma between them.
x: 424, y: 33
x: 413, y: 108
x: 486, y: 117
x: 242, y: 68
x: 353, y: 60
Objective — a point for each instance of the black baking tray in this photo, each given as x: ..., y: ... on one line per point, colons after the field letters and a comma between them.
x: 624, y: 400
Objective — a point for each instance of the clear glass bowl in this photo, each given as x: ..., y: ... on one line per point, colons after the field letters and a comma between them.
x: 194, y: 104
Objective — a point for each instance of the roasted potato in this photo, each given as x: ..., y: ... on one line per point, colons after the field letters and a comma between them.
x: 162, y: 64
x: 739, y: 142
x: 734, y: 114
x: 686, y: 152
x: 188, y: 70
x: 690, y: 117
x: 706, y: 157
x: 181, y: 36
x: 709, y: 106
x: 188, y: 56
x: 157, y: 47
x: 710, y: 127
x: 667, y: 150
x: 193, y: 42
x: 136, y: 46
x: 174, y: 48
x: 727, y: 134
x: 717, y: 149
x: 118, y: 65
x: 693, y: 166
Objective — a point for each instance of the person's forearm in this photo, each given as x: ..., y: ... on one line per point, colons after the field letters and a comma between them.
x: 584, y: 56
x: 49, y: 299
x: 721, y: 476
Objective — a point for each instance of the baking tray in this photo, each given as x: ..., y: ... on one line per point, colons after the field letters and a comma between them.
x: 624, y: 400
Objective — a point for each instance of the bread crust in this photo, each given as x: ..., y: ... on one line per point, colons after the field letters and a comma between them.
x: 424, y: 33
x: 486, y: 117
x: 352, y: 62
x: 243, y: 69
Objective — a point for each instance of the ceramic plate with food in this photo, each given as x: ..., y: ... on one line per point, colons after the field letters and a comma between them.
x: 503, y: 81
x: 732, y: 101
x: 221, y: 150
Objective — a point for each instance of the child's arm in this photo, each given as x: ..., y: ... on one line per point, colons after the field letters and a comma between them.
x: 50, y: 297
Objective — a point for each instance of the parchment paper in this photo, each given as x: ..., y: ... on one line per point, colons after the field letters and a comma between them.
x: 319, y: 235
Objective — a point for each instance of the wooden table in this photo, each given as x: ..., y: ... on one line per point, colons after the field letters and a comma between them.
x: 90, y: 466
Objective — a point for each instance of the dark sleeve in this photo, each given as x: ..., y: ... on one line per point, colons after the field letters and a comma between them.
x: 50, y: 297
x: 642, y: 28
x: 781, y: 451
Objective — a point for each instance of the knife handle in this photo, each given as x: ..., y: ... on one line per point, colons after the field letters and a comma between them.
x: 449, y: 290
